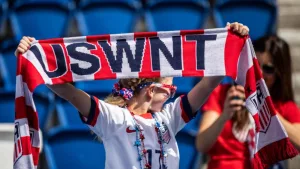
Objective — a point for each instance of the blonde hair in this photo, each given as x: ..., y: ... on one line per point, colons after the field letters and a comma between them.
x: 130, y: 83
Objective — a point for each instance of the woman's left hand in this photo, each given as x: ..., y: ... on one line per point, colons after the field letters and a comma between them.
x: 238, y: 28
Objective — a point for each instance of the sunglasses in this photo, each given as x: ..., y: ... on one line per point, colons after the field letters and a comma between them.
x: 268, y: 69
x: 171, y: 87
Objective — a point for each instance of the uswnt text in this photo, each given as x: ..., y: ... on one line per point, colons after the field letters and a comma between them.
x: 157, y: 47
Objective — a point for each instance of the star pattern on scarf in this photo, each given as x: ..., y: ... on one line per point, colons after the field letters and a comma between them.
x: 248, y: 89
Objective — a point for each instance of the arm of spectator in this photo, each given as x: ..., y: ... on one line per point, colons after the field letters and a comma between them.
x: 78, y: 98
x: 213, y: 122
x: 292, y: 129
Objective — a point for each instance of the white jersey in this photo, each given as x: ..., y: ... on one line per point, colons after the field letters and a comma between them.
x: 116, y: 128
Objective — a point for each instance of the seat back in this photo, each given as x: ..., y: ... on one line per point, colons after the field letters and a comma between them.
x: 97, y: 86
x: 184, y: 84
x: 249, y: 12
x: 67, y: 114
x: 166, y: 15
x: 42, y: 19
x: 187, y: 149
x: 74, y: 148
x: 107, y: 16
x: 7, y: 107
x: 8, y: 63
x: 3, y: 11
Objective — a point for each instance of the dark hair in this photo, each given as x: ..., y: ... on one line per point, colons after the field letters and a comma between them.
x: 280, y: 53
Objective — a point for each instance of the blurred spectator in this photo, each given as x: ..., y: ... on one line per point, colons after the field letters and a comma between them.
x: 225, y: 122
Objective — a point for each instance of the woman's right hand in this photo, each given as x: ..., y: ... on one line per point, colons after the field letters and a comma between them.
x: 24, y: 45
x: 234, y: 101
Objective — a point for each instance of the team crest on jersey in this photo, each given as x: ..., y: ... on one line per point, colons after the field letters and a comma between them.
x: 18, y: 143
x: 165, y: 133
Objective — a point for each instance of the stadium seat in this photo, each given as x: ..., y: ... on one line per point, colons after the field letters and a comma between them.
x: 103, y: 87
x: 67, y: 114
x: 193, y: 126
x: 3, y: 75
x: 107, y: 16
x: 73, y: 148
x: 3, y: 12
x: 8, y: 64
x: 249, y: 12
x: 187, y: 149
x: 184, y: 84
x: 7, y: 104
x: 42, y: 19
x: 166, y: 15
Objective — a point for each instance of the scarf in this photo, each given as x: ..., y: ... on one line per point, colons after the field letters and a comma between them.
x: 211, y: 52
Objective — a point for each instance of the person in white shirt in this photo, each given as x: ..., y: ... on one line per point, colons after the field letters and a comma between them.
x: 137, y: 129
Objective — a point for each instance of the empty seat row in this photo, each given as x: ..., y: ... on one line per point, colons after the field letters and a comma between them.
x: 45, y: 19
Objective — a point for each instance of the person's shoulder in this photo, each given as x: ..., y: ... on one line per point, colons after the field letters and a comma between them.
x: 221, y: 89
x: 290, y: 104
x: 287, y: 106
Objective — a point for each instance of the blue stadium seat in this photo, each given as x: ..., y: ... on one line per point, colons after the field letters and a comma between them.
x: 193, y: 126
x: 8, y: 67
x: 73, y: 148
x: 97, y: 87
x: 185, y: 84
x: 187, y: 150
x: 107, y: 16
x: 249, y: 12
x: 42, y: 19
x: 166, y: 15
x: 7, y: 106
x: 8, y: 63
x: 3, y: 75
x: 67, y: 114
x: 3, y: 11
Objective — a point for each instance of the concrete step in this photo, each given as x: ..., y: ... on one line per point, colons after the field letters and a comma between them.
x: 289, y: 14
x: 294, y: 163
x: 296, y: 86
x: 292, y: 36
